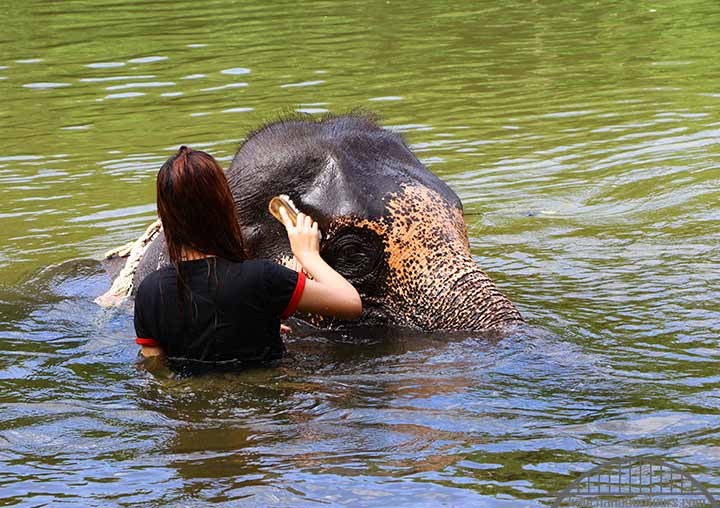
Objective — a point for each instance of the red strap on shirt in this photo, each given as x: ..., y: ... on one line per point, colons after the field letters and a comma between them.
x: 295, y: 298
x: 146, y: 342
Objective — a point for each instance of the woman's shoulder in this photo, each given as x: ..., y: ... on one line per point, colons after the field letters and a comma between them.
x: 258, y: 270
x: 257, y: 264
x: 248, y: 268
x: 265, y: 266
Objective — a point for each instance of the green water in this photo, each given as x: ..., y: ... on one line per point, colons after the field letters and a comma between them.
x: 583, y: 138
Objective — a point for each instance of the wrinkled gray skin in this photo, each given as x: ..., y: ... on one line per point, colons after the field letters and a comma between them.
x: 392, y: 228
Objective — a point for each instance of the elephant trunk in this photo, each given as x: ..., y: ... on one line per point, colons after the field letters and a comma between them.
x: 459, y: 296
x: 472, y: 301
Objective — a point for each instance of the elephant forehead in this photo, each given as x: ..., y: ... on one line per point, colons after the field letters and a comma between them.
x: 365, y: 188
x: 339, y: 194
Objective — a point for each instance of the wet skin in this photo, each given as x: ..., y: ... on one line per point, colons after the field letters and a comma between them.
x: 391, y: 227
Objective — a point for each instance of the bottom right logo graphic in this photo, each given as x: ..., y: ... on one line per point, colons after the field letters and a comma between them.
x: 635, y: 482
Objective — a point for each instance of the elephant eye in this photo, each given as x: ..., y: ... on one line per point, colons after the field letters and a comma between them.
x: 354, y: 252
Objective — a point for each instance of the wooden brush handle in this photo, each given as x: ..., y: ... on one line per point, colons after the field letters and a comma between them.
x: 274, y: 207
x: 281, y: 201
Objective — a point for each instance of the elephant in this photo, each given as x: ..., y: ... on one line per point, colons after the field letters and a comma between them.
x: 388, y: 225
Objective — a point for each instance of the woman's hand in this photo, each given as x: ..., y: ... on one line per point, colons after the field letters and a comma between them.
x: 303, y: 236
x: 148, y: 351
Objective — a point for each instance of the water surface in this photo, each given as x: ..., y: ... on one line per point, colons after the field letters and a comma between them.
x: 583, y: 140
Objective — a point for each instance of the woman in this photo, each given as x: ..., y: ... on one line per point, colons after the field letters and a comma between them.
x: 213, y: 305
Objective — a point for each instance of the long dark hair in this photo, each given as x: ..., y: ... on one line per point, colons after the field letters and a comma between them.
x: 196, y: 207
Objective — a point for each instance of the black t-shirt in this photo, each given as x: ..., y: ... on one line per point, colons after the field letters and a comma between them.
x: 230, y: 312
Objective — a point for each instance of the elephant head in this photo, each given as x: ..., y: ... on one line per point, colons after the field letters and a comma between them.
x: 391, y: 227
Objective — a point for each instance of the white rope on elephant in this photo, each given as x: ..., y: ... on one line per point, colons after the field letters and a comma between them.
x: 123, y: 284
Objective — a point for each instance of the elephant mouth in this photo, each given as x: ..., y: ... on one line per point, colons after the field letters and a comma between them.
x: 374, y: 313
